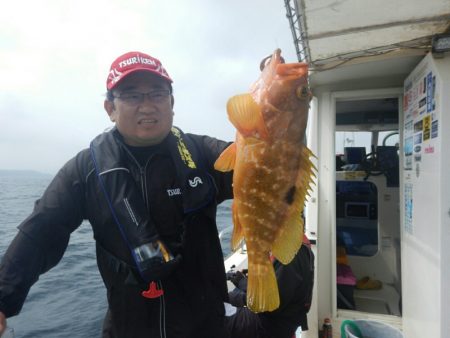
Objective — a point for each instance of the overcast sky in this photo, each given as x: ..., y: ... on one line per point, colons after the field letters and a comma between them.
x: 55, y: 56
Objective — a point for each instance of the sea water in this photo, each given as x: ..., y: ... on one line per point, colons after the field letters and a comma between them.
x: 70, y: 299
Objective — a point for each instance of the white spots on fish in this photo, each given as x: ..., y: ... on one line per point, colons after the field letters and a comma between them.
x: 261, y: 221
x: 248, y: 204
x: 267, y: 200
x: 267, y: 234
x: 262, y: 194
x: 250, y: 155
x: 251, y: 239
x: 267, y: 170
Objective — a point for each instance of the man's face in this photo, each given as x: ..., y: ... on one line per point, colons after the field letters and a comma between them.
x: 142, y: 122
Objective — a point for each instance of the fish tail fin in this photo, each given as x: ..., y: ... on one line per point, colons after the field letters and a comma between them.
x: 237, y: 236
x: 262, y: 287
x: 227, y: 159
x: 289, y: 240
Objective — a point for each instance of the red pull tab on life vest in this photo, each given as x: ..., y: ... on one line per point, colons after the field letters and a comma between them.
x: 152, y: 291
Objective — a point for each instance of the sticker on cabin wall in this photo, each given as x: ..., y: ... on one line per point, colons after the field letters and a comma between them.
x: 408, y: 127
x: 418, y: 138
x: 418, y: 126
x: 433, y: 94
x: 422, y: 102
x: 408, y: 149
x: 434, y: 129
x: 429, y: 91
x: 429, y: 150
x: 408, y: 225
x: 426, y: 127
x: 415, y: 93
x: 417, y: 153
x: 405, y: 102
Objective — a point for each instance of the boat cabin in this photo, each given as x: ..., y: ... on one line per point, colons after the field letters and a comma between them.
x: 379, y: 125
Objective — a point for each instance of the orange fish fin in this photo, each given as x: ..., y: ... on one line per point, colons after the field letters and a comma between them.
x: 227, y: 159
x: 289, y: 238
x: 307, y: 173
x: 262, y: 287
x: 246, y: 116
x: 237, y: 236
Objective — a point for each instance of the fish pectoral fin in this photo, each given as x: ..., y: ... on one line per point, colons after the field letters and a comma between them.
x: 227, y: 159
x: 246, y: 116
x: 262, y: 287
x: 237, y: 236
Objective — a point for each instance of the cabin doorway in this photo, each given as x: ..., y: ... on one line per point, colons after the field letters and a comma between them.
x: 367, y: 231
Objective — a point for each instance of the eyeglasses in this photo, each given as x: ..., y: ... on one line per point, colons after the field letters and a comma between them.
x: 135, y: 98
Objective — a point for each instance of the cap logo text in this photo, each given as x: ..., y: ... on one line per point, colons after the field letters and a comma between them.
x: 137, y: 59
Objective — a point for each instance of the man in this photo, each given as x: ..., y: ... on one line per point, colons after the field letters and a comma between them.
x: 295, y: 284
x: 150, y: 193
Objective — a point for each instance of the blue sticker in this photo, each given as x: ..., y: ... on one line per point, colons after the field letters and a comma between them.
x: 434, y: 129
x: 418, y: 138
x: 408, y: 225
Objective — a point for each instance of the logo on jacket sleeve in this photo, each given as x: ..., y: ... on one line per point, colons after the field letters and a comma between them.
x: 174, y: 192
x: 196, y: 181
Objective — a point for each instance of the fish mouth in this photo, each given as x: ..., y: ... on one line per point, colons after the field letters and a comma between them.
x: 275, y: 57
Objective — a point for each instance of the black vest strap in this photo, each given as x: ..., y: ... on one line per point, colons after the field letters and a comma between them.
x: 197, y: 185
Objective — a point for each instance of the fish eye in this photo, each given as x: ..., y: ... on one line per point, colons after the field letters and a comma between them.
x: 302, y: 92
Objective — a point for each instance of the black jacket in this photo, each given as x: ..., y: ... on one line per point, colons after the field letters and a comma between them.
x: 193, y: 294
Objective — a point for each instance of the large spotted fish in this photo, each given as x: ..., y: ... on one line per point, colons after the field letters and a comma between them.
x: 272, y: 173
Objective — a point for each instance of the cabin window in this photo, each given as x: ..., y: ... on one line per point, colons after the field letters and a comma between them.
x: 388, y: 138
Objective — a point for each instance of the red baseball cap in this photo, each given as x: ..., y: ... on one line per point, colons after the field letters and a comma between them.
x: 131, y: 62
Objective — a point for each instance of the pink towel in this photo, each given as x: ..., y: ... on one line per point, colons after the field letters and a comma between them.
x: 345, y: 275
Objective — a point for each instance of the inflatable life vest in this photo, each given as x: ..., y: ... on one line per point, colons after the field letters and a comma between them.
x: 126, y: 202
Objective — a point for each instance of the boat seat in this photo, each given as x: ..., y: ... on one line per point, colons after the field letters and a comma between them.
x: 384, y: 301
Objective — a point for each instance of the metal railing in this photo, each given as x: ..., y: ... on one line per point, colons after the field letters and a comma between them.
x: 296, y: 18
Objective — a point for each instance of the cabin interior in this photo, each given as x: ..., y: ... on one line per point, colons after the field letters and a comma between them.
x: 368, y: 272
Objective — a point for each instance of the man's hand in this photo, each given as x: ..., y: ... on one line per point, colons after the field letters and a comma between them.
x: 2, y: 323
x: 239, y: 279
x: 237, y: 297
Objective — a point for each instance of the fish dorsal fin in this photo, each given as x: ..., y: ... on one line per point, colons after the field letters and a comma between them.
x: 289, y: 239
x: 237, y: 236
x: 246, y: 116
x: 227, y: 159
